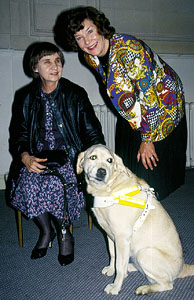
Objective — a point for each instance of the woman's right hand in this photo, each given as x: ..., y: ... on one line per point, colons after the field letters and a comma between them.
x: 32, y: 163
x: 148, y: 155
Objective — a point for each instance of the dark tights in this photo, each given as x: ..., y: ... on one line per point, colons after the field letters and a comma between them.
x: 46, y: 231
x: 44, y: 223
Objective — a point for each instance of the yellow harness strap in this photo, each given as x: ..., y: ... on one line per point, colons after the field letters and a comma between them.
x: 124, y: 197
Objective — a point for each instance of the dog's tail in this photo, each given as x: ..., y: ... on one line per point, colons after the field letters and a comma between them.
x: 187, y: 270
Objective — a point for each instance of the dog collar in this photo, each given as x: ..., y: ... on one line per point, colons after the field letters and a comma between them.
x: 125, y: 197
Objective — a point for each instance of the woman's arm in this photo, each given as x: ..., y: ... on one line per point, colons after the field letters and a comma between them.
x: 139, y: 70
x: 19, y: 134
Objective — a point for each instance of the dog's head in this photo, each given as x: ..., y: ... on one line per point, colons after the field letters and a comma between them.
x: 100, y: 166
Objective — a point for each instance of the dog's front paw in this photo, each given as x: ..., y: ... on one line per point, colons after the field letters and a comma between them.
x: 109, y: 271
x: 111, y: 289
x: 142, y: 290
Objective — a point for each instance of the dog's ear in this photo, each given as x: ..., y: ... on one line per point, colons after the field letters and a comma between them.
x: 80, y: 160
x: 119, y: 165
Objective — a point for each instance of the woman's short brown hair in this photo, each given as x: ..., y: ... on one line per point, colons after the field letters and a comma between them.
x: 69, y: 22
x: 40, y: 50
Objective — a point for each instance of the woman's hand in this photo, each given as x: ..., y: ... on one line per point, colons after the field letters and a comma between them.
x: 32, y: 163
x: 148, y: 155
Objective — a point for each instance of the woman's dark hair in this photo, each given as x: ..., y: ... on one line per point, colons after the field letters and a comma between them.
x: 69, y: 22
x: 39, y: 50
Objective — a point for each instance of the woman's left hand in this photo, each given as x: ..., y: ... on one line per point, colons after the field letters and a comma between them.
x: 148, y: 155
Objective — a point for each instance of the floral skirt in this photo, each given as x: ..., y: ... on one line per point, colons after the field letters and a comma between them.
x: 34, y: 194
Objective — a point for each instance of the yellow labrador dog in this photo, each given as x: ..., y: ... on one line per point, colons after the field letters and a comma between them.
x: 137, y: 226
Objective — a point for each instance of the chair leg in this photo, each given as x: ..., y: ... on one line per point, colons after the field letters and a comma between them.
x: 19, y: 221
x: 90, y: 222
x: 20, y: 233
x: 71, y: 229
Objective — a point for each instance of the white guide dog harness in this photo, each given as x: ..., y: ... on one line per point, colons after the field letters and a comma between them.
x: 125, y: 197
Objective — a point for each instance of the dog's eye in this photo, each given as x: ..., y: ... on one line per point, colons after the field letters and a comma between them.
x: 109, y: 160
x: 93, y: 157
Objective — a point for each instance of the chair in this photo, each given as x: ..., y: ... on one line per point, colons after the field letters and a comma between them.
x: 18, y: 219
x: 20, y: 229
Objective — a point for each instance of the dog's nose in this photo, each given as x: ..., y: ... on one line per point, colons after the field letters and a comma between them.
x: 101, y: 173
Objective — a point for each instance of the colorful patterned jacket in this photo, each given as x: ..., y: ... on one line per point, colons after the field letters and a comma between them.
x: 142, y: 87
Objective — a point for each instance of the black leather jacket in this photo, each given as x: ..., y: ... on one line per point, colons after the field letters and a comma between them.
x: 72, y: 110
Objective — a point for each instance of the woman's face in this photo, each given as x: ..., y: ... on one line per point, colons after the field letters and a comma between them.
x: 90, y: 41
x: 49, y: 68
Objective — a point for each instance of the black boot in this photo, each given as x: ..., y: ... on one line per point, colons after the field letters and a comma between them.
x: 46, y: 237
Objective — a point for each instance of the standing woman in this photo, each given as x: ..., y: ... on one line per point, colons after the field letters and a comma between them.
x: 52, y: 121
x: 151, y: 133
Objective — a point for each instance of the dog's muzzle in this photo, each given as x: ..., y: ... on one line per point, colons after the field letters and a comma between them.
x: 101, y: 174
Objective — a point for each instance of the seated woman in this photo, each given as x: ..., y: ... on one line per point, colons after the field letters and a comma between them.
x: 52, y: 117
